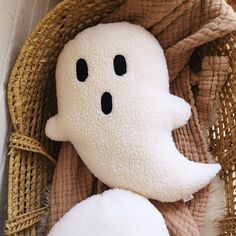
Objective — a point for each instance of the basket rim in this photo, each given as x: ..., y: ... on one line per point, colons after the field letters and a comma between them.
x: 24, y: 47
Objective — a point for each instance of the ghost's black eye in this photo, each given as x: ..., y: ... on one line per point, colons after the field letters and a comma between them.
x: 81, y: 70
x: 119, y: 63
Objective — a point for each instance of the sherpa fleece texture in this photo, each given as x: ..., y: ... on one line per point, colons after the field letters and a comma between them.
x: 130, y: 147
x: 115, y: 212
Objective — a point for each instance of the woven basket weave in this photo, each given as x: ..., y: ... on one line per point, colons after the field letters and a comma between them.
x: 32, y: 100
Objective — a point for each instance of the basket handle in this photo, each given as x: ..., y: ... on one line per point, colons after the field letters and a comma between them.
x: 22, y: 142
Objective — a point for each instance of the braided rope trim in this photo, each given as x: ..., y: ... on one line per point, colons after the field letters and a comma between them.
x: 22, y: 142
x: 24, y: 221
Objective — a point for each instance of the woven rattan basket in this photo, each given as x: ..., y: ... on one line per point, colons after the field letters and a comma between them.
x: 32, y: 101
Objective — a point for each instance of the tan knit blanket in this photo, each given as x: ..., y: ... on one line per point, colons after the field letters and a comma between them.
x: 180, y: 26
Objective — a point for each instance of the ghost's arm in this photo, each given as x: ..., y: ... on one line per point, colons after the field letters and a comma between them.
x: 54, y: 129
x: 179, y: 110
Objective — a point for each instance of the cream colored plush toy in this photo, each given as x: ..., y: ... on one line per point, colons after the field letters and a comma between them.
x: 114, y: 106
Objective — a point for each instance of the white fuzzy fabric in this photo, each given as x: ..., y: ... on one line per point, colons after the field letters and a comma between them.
x: 114, y: 213
x: 215, y: 209
x: 132, y: 147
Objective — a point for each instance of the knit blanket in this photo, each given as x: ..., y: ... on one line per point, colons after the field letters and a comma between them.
x: 181, y: 26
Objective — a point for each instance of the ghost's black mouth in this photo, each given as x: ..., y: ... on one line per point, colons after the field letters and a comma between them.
x: 106, y: 103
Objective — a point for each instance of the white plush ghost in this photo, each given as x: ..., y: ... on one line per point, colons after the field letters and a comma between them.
x: 114, y: 106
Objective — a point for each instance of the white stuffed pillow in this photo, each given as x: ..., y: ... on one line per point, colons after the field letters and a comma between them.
x: 113, y: 213
x: 114, y: 106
